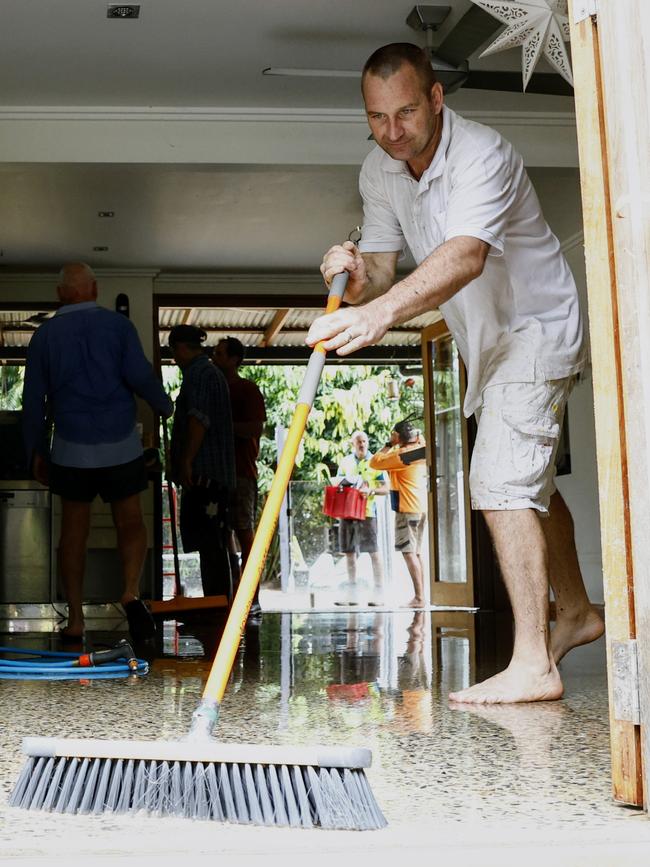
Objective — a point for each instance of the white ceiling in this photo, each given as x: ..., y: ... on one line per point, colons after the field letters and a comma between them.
x: 249, y: 207
x: 205, y: 52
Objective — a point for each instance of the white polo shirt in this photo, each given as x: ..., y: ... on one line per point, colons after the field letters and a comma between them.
x: 520, y: 320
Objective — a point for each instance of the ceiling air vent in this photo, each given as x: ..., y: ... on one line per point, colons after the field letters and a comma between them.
x: 123, y: 10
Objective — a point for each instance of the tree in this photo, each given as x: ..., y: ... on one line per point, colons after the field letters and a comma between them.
x: 350, y: 397
x: 11, y: 386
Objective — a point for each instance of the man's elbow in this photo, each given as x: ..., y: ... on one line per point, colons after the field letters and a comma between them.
x: 477, y: 256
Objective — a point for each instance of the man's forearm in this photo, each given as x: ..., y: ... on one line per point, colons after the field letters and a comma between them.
x: 380, y: 276
x: 453, y: 265
x: 437, y: 279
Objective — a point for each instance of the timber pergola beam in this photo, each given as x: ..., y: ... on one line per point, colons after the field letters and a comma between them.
x: 277, y: 322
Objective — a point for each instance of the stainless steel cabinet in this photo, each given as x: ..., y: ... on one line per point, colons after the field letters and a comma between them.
x: 24, y: 546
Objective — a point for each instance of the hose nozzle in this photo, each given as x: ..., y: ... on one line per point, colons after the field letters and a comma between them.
x: 122, y: 650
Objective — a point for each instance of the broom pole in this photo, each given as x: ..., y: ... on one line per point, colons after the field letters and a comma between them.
x: 206, y: 715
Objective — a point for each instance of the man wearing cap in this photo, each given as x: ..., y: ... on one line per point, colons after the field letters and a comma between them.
x: 84, y: 367
x: 457, y: 194
x: 203, y: 458
x: 404, y: 459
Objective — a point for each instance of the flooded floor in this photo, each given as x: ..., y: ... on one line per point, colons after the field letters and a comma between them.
x: 477, y: 784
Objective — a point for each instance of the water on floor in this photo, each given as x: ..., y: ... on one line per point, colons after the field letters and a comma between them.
x: 372, y: 679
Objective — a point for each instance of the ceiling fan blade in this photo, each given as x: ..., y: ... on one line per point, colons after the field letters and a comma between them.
x: 474, y: 28
x: 311, y: 73
x: 541, y: 82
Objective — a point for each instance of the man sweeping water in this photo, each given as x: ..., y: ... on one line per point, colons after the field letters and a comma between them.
x: 457, y: 194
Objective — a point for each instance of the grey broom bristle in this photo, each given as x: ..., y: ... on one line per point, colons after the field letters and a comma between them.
x: 290, y: 795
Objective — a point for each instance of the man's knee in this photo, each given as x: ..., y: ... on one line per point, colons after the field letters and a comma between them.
x: 410, y: 558
x: 127, y: 515
x: 73, y: 534
x: 75, y: 522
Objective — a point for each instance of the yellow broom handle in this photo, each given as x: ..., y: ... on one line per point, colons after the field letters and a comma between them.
x: 217, y: 682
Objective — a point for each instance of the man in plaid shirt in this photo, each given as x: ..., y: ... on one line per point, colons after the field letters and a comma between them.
x: 203, y: 458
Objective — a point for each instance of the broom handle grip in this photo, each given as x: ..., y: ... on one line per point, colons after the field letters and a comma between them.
x: 217, y: 682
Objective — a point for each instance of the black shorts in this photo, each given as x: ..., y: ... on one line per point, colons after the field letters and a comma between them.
x: 83, y: 484
x: 358, y: 537
x: 245, y: 504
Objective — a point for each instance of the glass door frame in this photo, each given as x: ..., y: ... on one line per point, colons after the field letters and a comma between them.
x: 444, y: 593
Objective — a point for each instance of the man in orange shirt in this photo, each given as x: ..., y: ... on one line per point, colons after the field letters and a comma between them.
x: 404, y: 461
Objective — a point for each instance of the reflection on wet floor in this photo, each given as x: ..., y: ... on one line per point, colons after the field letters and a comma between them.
x: 376, y: 679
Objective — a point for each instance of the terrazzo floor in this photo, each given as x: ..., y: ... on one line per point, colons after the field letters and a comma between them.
x: 483, y: 786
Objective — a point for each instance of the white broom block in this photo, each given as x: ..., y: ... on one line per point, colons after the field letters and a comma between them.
x: 199, y: 751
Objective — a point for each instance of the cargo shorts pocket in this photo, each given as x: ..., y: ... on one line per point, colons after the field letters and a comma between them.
x: 525, y: 457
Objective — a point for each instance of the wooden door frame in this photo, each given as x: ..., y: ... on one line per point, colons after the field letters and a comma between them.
x: 444, y: 593
x: 612, y: 253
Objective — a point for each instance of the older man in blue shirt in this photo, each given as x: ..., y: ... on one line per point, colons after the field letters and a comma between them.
x: 84, y: 367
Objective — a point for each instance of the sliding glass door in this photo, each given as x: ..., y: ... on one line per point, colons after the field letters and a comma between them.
x: 446, y: 430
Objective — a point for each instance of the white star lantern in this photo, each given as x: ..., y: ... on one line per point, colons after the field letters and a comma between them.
x: 539, y: 26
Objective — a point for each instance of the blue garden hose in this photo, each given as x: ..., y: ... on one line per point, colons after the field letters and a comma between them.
x: 118, y: 661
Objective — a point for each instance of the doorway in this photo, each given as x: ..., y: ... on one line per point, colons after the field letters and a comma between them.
x: 372, y: 391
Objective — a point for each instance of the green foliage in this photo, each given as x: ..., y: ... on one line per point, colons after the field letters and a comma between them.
x: 350, y: 397
x: 11, y: 386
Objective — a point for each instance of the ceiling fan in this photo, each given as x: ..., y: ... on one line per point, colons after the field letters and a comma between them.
x: 450, y: 59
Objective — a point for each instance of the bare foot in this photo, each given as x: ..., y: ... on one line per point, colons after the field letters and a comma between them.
x: 570, y: 632
x: 416, y: 602
x: 517, y: 683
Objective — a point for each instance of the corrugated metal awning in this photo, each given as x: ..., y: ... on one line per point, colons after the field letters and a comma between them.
x: 273, y: 333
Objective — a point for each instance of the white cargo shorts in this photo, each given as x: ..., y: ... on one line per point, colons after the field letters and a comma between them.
x: 513, y: 462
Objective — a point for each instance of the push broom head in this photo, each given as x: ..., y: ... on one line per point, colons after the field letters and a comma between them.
x: 247, y: 784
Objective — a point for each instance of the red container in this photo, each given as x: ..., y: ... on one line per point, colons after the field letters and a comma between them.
x: 343, y: 502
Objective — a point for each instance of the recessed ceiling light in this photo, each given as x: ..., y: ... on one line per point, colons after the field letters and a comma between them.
x: 106, y: 213
x: 123, y: 10
x: 100, y: 249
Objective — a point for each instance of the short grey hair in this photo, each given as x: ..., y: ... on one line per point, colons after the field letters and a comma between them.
x: 79, y: 268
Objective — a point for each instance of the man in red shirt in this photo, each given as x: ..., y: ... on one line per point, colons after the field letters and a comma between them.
x: 248, y: 417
